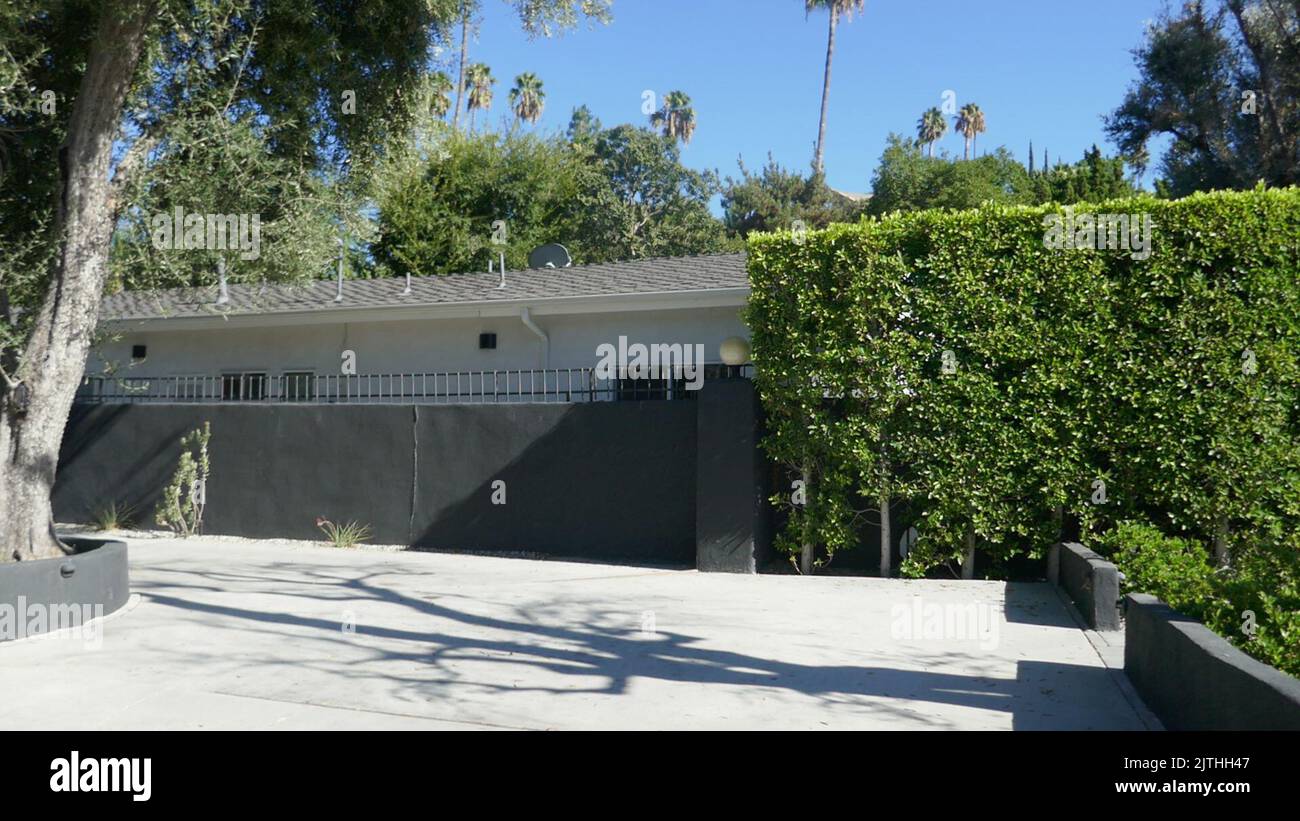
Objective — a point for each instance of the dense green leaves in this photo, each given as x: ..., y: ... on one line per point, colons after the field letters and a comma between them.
x: 908, y: 180
x: 1011, y: 385
x: 619, y: 193
x: 776, y: 198
x: 1223, y: 81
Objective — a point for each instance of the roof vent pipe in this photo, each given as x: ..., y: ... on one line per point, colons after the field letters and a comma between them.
x: 408, y: 283
x: 503, y: 271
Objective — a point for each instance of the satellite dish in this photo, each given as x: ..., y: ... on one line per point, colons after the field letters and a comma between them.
x: 552, y: 255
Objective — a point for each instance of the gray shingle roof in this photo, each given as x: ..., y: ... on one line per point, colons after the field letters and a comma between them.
x: 705, y: 272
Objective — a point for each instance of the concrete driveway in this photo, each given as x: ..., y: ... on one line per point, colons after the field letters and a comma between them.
x: 233, y: 634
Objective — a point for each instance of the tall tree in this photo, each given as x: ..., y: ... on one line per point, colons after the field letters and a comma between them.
x: 467, y: 8
x: 931, y: 128
x: 676, y: 117
x: 583, y: 125
x: 969, y: 123
x: 638, y: 200
x: 479, y: 82
x: 1224, y: 84
x: 132, y: 79
x: 978, y: 127
x: 836, y: 8
x: 527, y: 98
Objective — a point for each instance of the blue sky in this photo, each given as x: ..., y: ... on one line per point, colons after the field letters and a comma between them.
x: 1041, y: 70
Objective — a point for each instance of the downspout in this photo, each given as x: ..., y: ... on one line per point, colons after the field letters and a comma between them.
x: 546, y: 341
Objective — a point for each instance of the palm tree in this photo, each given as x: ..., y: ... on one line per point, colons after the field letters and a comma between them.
x: 977, y: 127
x: 467, y: 8
x: 969, y: 124
x: 527, y: 97
x: 439, y: 95
x: 676, y: 117
x: 836, y: 8
x: 478, y: 83
x: 931, y: 128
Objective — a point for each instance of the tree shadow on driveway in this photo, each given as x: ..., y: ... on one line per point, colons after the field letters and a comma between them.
x: 571, y: 648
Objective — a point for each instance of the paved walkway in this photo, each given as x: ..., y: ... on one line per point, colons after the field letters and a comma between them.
x: 237, y: 634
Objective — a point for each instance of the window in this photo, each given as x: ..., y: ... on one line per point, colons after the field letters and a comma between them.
x: 243, y: 387
x: 487, y: 342
x: 298, y: 386
x: 139, y: 352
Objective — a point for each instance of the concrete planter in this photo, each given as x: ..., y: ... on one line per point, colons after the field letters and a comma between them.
x: 36, y: 597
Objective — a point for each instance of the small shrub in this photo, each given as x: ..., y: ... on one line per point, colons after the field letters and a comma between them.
x: 1254, y: 603
x: 181, y: 509
x: 114, y: 516
x: 343, y: 535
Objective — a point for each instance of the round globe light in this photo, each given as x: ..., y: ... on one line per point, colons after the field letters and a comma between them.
x: 734, y: 350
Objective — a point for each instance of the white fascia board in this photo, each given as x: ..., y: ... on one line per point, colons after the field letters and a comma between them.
x: 539, y: 306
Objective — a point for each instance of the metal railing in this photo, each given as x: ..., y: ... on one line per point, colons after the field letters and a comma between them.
x: 558, y: 385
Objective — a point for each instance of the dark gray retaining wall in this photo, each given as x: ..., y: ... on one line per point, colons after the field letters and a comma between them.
x: 1090, y: 581
x: 1194, y: 679
x: 94, y: 580
x: 607, y: 480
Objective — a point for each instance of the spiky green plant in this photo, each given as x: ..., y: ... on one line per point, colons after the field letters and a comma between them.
x: 113, y: 516
x: 343, y: 535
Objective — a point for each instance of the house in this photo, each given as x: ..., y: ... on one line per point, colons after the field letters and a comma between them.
x: 539, y: 334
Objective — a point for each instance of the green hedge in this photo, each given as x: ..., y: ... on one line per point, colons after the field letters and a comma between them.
x: 1254, y: 602
x: 1169, y: 380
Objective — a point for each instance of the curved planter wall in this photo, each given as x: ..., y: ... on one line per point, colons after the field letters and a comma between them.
x: 93, y: 580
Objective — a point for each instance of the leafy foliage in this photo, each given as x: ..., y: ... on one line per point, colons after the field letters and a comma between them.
x: 436, y: 213
x: 620, y: 193
x: 1224, y: 82
x: 907, y: 180
x: 1263, y: 583
x: 237, y: 107
x: 1001, y: 380
x: 775, y: 199
x: 183, y: 501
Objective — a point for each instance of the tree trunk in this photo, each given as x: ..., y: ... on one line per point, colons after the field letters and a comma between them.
x: 55, y: 353
x: 806, y: 551
x: 886, y: 538
x: 1221, y: 556
x: 968, y: 565
x: 826, y: 93
x: 464, y: 54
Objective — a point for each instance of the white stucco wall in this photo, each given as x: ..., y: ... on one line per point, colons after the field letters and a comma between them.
x: 408, y: 345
